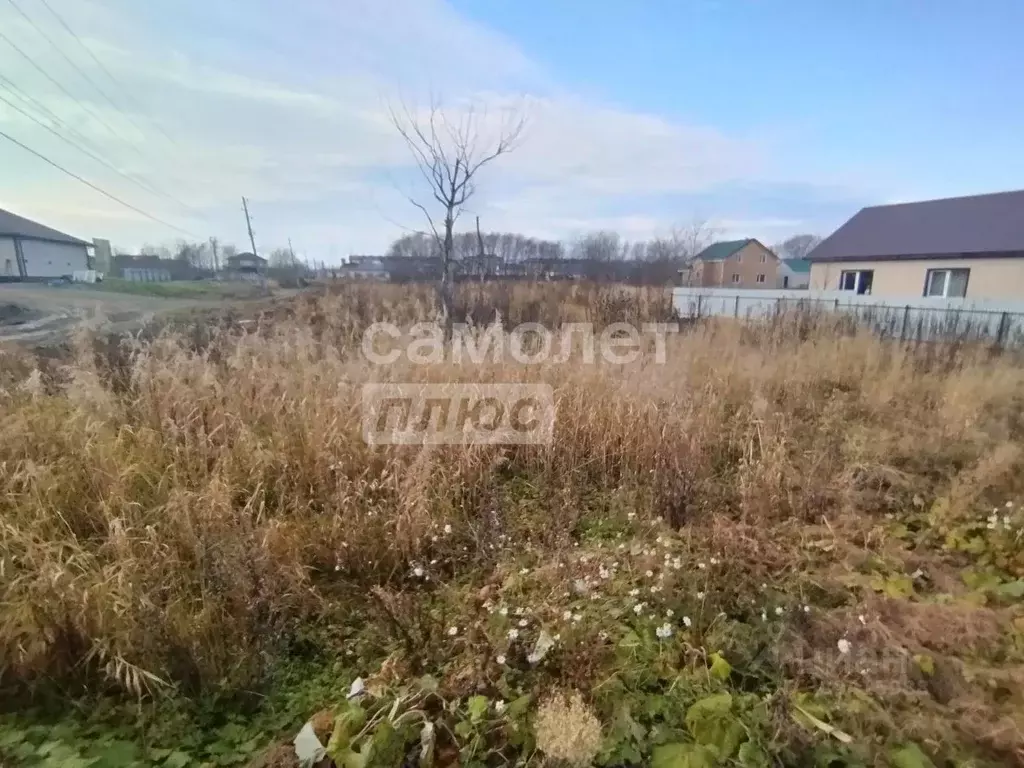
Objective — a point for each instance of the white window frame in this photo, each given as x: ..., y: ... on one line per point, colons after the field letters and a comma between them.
x: 761, y: 277
x: 735, y: 277
x: 764, y: 258
x: 857, y: 280
x: 947, y: 273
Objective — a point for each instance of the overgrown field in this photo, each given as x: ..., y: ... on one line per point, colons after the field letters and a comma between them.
x: 789, y: 544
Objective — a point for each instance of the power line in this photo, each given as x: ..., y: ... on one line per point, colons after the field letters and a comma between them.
x: 72, y: 64
x: 94, y: 152
x: 66, y: 92
x: 85, y: 151
x: 26, y: 98
x: 96, y: 188
x: 124, y: 92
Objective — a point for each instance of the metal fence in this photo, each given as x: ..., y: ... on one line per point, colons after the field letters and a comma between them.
x: 908, y: 320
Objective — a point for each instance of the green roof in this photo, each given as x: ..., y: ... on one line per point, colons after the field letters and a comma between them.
x: 798, y: 265
x: 721, y: 251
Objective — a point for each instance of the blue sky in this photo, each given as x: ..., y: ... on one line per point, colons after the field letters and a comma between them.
x: 761, y: 118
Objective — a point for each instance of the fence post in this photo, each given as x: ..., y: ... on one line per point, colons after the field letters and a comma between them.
x: 837, y: 305
x: 698, y: 306
x: 906, y: 319
x: 736, y: 309
x: 1004, y: 323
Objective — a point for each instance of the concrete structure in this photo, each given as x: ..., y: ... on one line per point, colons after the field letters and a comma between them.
x: 962, y: 247
x: 794, y: 273
x: 733, y: 264
x: 31, y: 251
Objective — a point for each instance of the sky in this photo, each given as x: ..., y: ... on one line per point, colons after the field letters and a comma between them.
x: 759, y: 118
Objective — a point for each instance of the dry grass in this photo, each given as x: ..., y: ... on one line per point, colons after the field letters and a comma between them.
x: 176, y: 510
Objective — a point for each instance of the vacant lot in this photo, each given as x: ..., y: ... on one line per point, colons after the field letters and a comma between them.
x: 785, y: 545
x: 40, y: 313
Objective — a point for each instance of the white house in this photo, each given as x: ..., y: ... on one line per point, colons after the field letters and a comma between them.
x: 31, y: 251
x: 794, y: 273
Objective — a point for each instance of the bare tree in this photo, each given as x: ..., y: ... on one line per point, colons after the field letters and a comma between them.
x: 797, y: 246
x: 449, y: 154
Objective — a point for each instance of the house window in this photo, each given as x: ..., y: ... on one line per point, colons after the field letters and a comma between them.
x: 764, y: 258
x: 760, y: 278
x: 948, y: 283
x: 735, y: 277
x: 856, y: 280
x: 785, y: 281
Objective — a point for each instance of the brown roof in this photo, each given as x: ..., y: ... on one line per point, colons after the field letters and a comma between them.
x: 981, y: 225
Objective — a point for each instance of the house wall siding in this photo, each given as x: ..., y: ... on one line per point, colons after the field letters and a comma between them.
x: 46, y: 259
x: 989, y: 278
x: 8, y: 258
x: 746, y: 263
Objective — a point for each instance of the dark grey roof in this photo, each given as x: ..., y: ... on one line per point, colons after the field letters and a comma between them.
x: 961, y: 226
x: 12, y: 225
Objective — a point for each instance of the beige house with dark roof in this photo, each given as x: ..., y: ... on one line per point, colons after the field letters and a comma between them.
x: 962, y: 247
x: 733, y: 264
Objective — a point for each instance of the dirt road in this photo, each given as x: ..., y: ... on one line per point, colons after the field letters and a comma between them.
x: 36, y: 313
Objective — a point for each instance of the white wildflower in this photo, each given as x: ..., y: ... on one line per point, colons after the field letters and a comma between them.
x: 634, y: 592
x: 844, y: 646
x: 807, y: 609
x: 764, y: 616
x: 524, y: 571
x: 778, y: 610
x: 577, y: 617
x: 503, y: 610
x: 677, y: 563
x: 714, y: 561
x: 686, y: 622
x: 513, y: 634
x: 655, y: 589
x: 453, y: 631
x: 500, y: 659
x: 499, y: 706
x: 861, y: 619
x: 356, y: 688
x: 664, y: 631
x: 649, y: 574
x: 337, y: 567
x: 417, y: 572
x: 639, y: 608
x: 631, y: 515
x: 523, y: 623
x: 566, y: 615
x: 1009, y: 505
x: 669, y: 613
x: 604, y: 573
x: 702, y: 566
x: 447, y: 528
x: 700, y: 595
x: 602, y: 635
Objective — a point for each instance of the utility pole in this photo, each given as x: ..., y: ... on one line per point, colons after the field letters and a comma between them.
x: 248, y: 224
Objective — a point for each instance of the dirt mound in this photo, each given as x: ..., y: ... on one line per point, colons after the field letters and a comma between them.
x: 16, y: 314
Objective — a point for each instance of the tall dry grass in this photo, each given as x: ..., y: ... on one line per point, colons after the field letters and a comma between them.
x: 180, y: 509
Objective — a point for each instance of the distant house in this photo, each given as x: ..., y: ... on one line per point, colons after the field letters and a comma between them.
x: 955, y: 247
x: 794, y: 273
x: 245, y: 266
x: 141, y: 269
x: 148, y: 268
x: 32, y: 251
x: 734, y: 264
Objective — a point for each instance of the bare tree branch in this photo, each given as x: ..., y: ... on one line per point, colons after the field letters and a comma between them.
x: 448, y: 156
